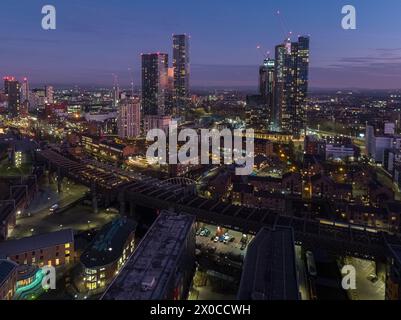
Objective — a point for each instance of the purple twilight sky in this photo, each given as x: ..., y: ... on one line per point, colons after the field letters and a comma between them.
x: 96, y: 38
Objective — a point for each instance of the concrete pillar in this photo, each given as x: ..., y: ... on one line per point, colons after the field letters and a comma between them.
x: 36, y: 184
x: 94, y: 203
x: 59, y: 181
x: 122, y: 207
x: 94, y: 198
x: 107, y: 200
x: 121, y: 199
x: 381, y: 267
x: 132, y: 210
x: 59, y: 184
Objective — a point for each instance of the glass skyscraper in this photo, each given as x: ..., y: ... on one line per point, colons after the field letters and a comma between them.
x: 154, y: 83
x: 266, y: 85
x: 291, y: 85
x: 181, y: 69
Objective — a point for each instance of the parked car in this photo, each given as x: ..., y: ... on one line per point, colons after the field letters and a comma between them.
x: 54, y: 207
x: 373, y: 278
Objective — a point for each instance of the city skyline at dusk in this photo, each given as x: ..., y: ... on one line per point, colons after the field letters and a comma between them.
x: 91, y: 43
x: 193, y: 158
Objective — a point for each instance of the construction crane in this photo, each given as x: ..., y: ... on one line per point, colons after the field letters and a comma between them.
x: 286, y: 31
x: 264, y: 54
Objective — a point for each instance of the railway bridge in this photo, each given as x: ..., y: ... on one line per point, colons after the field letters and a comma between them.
x: 131, y: 190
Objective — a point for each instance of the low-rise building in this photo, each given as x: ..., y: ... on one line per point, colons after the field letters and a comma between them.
x: 269, y: 270
x: 247, y: 195
x: 379, y: 193
x: 162, y: 265
x: 341, y: 152
x: 52, y: 249
x: 108, y: 252
x: 107, y: 150
x: 264, y: 147
x: 324, y: 187
x: 8, y: 279
x: 378, y: 142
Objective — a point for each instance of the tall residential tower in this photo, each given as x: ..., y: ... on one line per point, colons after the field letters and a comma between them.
x: 181, y: 69
x: 12, y: 89
x: 129, y: 118
x: 266, y: 85
x: 291, y: 85
x: 154, y: 83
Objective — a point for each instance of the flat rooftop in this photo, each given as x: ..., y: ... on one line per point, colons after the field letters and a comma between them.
x: 12, y: 247
x: 108, y: 244
x: 148, y: 271
x: 6, y: 267
x: 269, y: 269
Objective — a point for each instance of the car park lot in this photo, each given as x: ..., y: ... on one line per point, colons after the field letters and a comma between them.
x: 215, y: 239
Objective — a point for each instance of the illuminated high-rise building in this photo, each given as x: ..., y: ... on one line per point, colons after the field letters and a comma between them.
x: 154, y: 83
x: 12, y: 88
x: 116, y: 92
x: 129, y: 118
x: 7, y: 80
x: 171, y: 108
x: 49, y: 90
x: 181, y: 69
x: 266, y: 84
x: 291, y: 85
x: 37, y: 99
x: 25, y: 90
x: 302, y: 81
